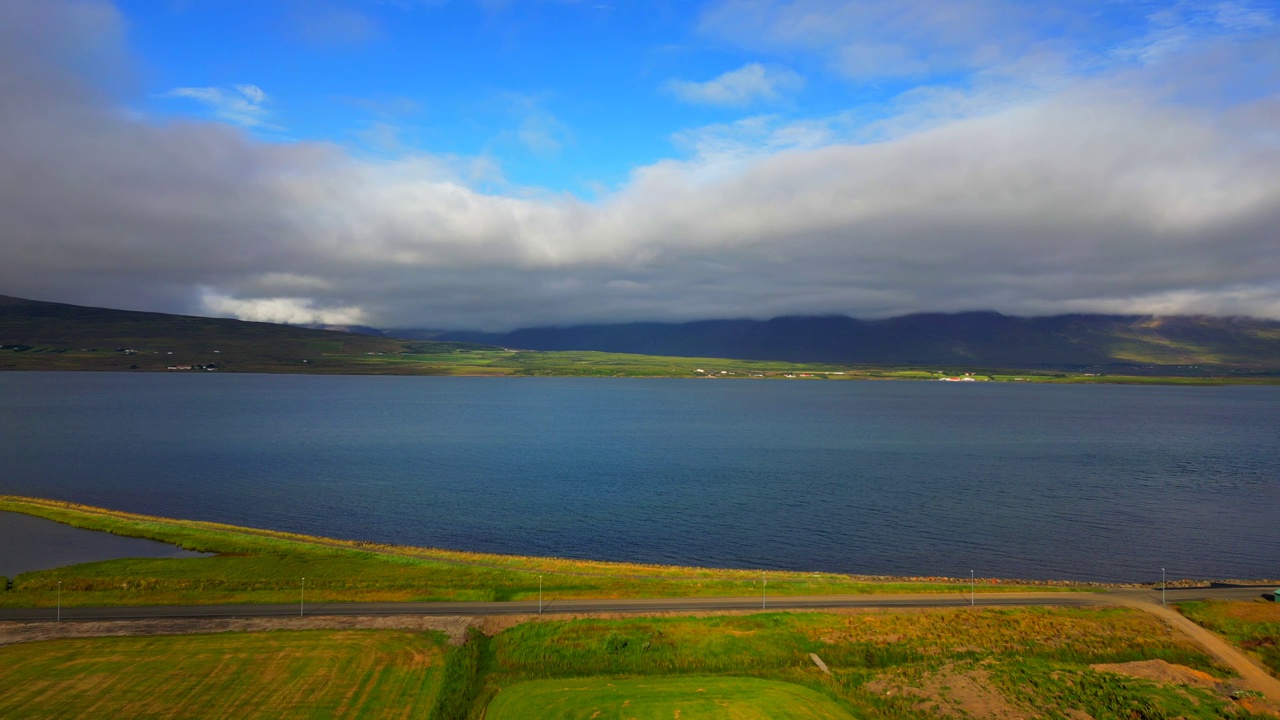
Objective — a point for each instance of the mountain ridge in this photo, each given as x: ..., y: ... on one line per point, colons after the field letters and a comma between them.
x: 77, y: 337
x: 985, y: 338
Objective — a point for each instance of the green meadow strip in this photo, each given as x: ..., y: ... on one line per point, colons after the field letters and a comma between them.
x: 263, y: 566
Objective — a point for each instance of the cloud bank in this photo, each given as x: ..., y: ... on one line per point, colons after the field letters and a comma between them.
x: 1151, y: 187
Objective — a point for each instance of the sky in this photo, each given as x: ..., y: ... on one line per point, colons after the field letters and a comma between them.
x: 494, y: 164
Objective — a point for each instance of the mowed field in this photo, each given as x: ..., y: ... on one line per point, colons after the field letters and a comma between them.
x: 711, y: 698
x: 307, y: 674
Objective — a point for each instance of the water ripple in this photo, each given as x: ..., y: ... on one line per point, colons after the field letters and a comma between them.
x: 1092, y: 482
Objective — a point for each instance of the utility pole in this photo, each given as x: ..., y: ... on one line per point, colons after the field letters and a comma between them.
x: 970, y: 588
x: 59, y: 601
x: 302, y: 600
x: 1163, y: 585
x: 539, y: 594
x: 764, y: 591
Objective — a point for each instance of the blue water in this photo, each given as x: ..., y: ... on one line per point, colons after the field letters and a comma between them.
x: 30, y: 543
x: 1032, y: 481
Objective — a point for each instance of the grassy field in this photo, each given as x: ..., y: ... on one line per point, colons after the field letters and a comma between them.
x: 1007, y: 663
x: 1254, y: 626
x: 394, y: 357
x: 500, y: 362
x: 1012, y: 663
x: 259, y: 566
x: 309, y: 674
x: 712, y: 698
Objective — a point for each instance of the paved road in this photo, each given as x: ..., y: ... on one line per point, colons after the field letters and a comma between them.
x: 626, y: 606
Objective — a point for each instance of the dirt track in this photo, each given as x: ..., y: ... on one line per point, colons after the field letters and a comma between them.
x: 1255, y: 675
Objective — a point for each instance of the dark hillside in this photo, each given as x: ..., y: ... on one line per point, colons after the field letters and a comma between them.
x: 985, y: 339
x: 45, y: 335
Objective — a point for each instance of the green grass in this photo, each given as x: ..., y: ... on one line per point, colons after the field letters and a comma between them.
x: 1254, y: 626
x: 463, y: 673
x: 395, y: 357
x: 259, y: 566
x: 713, y: 698
x: 885, y: 665
x: 1046, y: 687
x: 776, y: 641
x: 1037, y: 658
x: 301, y: 674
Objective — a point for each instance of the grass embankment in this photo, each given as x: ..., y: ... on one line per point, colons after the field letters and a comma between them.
x: 1023, y: 662
x: 308, y: 674
x: 1254, y: 626
x: 261, y: 566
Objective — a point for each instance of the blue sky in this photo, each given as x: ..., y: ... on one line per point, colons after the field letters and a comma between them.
x: 562, y: 95
x: 492, y: 164
x: 571, y: 96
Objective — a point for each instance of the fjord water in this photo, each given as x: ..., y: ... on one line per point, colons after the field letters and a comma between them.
x: 914, y: 478
x: 30, y: 543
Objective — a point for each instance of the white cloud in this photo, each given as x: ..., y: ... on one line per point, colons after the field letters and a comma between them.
x: 1262, y: 301
x: 749, y: 84
x: 243, y: 105
x: 1242, y: 16
x: 294, y: 311
x: 1095, y: 195
x: 1172, y: 29
x: 892, y: 38
x: 870, y: 41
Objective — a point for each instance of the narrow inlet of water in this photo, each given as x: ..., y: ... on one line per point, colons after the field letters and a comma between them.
x: 29, y: 543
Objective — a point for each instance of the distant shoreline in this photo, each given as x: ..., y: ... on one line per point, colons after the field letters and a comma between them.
x: 854, y: 375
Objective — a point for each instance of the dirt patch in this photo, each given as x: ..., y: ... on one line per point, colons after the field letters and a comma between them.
x: 1253, y: 675
x: 19, y: 632
x: 1161, y: 672
x: 1169, y: 674
x: 950, y: 693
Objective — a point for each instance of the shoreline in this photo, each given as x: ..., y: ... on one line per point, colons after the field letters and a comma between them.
x: 41, y: 507
x: 887, y: 374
